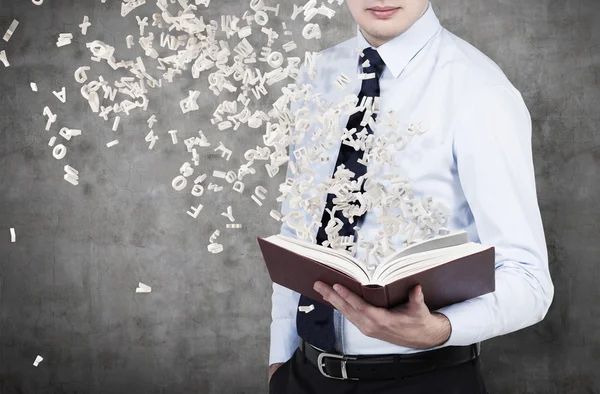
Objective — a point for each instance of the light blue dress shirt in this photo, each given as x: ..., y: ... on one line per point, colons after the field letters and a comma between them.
x: 475, y: 158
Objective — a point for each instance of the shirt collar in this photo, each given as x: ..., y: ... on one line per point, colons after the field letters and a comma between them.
x: 399, y: 51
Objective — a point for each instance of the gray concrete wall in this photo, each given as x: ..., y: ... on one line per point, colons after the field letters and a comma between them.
x: 67, y: 286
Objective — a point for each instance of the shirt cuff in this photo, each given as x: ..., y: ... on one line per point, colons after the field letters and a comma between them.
x: 465, y: 330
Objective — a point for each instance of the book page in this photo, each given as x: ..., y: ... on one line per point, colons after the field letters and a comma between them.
x: 414, y: 260
x: 326, y: 256
x: 444, y: 241
x: 426, y: 260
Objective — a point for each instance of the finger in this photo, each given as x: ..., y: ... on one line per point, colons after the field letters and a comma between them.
x: 365, y: 313
x: 417, y: 300
x: 415, y: 295
x: 331, y: 296
x: 357, y: 302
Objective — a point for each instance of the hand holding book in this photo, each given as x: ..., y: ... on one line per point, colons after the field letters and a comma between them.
x: 410, y: 324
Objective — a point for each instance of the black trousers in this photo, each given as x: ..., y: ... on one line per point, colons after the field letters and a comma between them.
x: 297, y: 377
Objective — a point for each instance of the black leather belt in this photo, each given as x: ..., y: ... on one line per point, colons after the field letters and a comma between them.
x: 387, y: 366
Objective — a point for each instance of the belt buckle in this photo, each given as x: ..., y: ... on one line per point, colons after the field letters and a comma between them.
x: 343, y: 357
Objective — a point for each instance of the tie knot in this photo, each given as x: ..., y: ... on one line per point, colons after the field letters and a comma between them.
x: 376, y: 63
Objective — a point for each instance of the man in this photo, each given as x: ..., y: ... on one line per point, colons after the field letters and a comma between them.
x: 475, y: 158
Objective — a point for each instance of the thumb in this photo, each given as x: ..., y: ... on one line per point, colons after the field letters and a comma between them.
x: 416, y: 294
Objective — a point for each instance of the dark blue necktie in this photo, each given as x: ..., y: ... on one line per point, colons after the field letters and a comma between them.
x: 316, y: 327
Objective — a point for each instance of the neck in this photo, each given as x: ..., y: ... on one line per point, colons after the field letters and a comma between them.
x: 376, y: 42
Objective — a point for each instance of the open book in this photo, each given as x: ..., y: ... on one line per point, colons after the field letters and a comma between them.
x: 449, y: 268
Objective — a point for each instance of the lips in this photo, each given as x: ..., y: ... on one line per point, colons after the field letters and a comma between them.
x: 383, y: 12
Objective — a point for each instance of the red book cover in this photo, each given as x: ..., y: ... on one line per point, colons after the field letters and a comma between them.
x: 451, y: 282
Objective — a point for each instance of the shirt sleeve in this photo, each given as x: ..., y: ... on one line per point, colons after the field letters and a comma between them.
x: 284, y: 334
x: 492, y: 149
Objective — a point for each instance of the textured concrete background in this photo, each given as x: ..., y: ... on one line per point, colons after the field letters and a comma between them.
x: 67, y: 284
